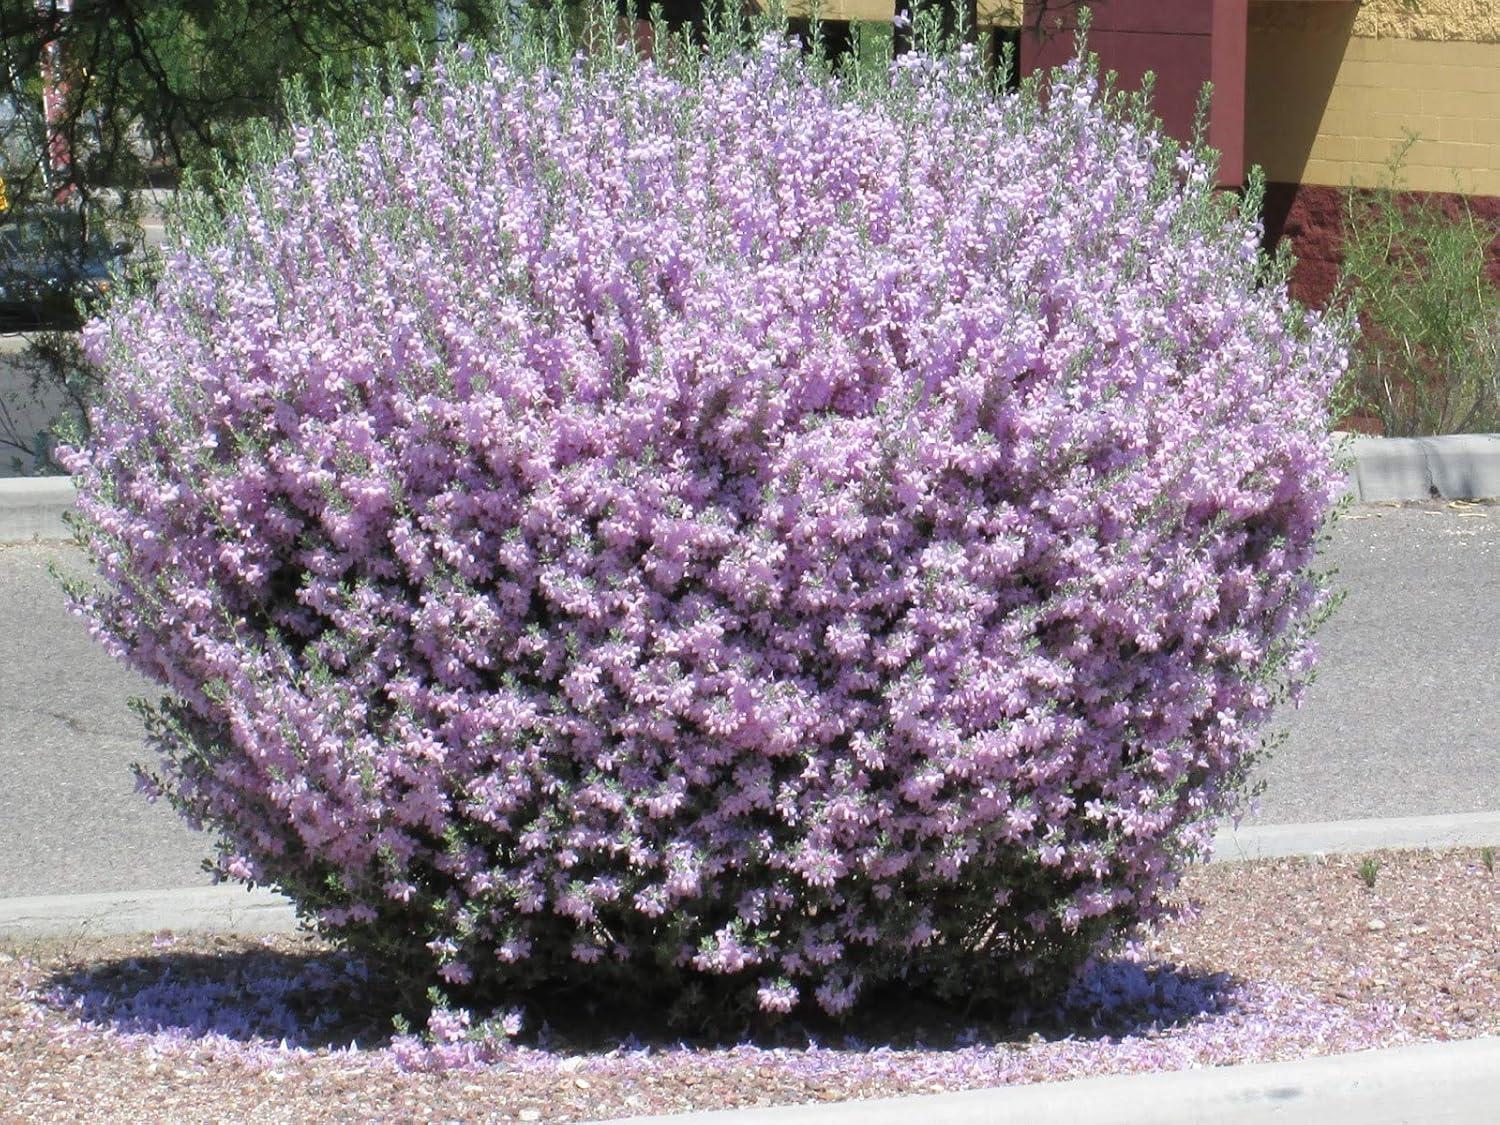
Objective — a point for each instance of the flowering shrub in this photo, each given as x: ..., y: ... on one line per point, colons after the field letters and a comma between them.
x: 716, y: 526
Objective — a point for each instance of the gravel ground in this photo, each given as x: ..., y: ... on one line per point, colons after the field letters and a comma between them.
x: 1273, y: 960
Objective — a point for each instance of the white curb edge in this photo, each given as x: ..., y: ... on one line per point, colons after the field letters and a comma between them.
x: 1343, y: 837
x: 225, y: 908
x: 1427, y: 1083
x: 32, y: 508
x: 1452, y: 467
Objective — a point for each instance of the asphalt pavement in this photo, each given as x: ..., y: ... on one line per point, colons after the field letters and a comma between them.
x: 24, y: 412
x: 1403, y: 718
x: 70, y: 818
x: 1401, y: 722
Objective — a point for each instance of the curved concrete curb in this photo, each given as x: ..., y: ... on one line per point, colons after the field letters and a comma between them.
x: 1429, y: 1083
x: 231, y: 908
x: 1333, y: 837
x: 33, y: 507
x: 1457, y: 467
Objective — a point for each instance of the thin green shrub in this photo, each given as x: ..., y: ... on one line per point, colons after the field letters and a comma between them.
x: 1428, y: 358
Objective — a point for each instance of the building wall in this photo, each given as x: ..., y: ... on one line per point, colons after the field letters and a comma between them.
x: 1182, y: 43
x: 1476, y: 21
x: 1327, y: 105
x: 1332, y: 89
x: 870, y: 10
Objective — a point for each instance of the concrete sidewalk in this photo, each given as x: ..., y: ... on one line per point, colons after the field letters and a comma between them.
x: 1426, y: 1084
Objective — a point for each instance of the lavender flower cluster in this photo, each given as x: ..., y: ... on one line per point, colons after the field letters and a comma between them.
x: 714, y: 521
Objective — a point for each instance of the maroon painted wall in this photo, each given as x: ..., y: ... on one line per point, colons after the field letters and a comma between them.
x: 1184, y: 43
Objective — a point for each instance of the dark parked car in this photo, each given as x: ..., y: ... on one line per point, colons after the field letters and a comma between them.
x: 49, y: 263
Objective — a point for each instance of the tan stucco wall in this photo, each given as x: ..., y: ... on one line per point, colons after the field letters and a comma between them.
x: 1324, y: 105
x: 1000, y: 13
x: 1475, y: 21
x: 840, y: 9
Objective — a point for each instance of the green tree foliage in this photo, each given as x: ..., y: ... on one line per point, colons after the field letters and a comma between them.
x: 153, y: 93
x: 162, y: 87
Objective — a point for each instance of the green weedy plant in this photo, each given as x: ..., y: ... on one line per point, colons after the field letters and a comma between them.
x: 1428, y: 359
x: 1369, y: 868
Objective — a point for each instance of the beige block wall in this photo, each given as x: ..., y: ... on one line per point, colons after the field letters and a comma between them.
x: 1324, y: 105
x: 839, y: 9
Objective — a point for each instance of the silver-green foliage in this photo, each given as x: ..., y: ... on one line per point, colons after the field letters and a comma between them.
x: 1428, y: 361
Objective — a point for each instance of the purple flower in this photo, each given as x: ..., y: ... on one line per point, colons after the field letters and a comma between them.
x: 620, y: 517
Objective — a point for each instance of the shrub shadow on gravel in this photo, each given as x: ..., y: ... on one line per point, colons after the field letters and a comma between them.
x: 311, y: 1000
x: 326, y: 1000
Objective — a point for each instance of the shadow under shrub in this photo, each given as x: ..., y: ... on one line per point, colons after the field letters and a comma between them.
x: 322, y: 1000
x: 718, y: 528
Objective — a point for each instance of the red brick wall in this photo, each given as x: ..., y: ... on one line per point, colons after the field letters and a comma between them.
x: 1310, y: 218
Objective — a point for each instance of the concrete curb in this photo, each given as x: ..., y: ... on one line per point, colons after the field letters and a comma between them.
x: 1342, y: 837
x: 222, y: 909
x: 1426, y: 1083
x: 231, y: 908
x: 1456, y: 467
x: 33, y: 507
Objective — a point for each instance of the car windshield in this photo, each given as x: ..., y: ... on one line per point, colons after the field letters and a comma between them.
x: 60, y: 232
x: 46, y: 266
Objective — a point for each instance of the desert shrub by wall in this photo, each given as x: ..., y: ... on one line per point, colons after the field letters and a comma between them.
x: 716, y: 526
x: 1427, y: 360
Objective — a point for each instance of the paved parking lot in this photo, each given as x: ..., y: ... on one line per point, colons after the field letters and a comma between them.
x: 22, y: 414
